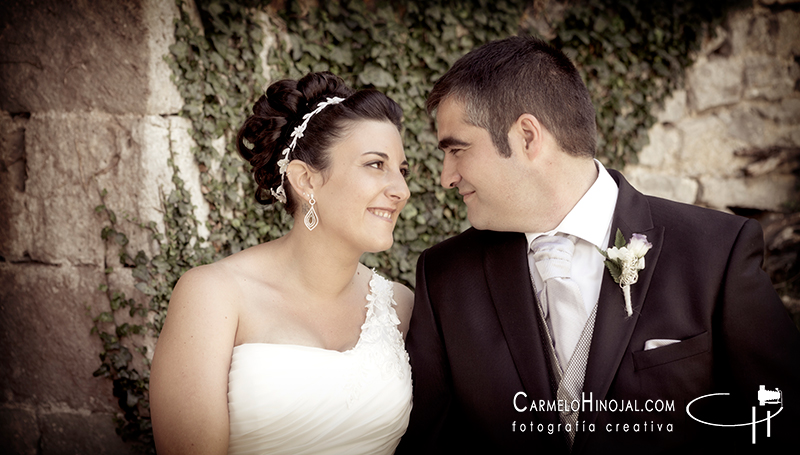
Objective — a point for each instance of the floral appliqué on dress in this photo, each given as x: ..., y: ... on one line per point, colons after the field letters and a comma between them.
x: 380, y: 347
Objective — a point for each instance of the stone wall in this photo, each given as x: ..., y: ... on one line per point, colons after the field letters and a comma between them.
x: 730, y: 140
x: 86, y: 104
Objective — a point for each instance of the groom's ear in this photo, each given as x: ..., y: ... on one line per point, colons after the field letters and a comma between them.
x: 525, y: 136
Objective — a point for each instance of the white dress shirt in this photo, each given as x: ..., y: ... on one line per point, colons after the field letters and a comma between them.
x: 590, y: 222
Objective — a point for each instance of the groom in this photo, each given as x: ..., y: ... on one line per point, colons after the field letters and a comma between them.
x: 521, y: 341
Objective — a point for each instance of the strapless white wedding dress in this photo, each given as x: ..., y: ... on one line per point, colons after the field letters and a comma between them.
x: 291, y: 399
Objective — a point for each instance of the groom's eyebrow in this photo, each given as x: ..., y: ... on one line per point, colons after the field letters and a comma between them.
x: 450, y: 142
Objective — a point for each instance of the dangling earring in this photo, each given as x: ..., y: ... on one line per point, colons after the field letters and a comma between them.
x: 311, y: 219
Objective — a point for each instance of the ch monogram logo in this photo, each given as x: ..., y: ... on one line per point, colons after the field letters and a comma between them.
x: 765, y: 397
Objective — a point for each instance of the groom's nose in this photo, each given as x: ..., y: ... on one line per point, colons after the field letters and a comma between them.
x: 450, y: 176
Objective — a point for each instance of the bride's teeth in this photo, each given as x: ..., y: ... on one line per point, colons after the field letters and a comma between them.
x: 383, y: 214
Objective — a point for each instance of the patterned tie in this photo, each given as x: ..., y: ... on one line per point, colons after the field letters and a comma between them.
x: 560, y: 296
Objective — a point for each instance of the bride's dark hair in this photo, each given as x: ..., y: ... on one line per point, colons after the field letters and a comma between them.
x: 267, y: 132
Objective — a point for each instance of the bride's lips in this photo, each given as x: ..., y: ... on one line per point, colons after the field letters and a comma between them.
x: 382, y: 212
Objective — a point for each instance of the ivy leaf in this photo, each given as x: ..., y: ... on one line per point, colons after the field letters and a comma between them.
x: 180, y: 50
x: 145, y: 288
x: 377, y: 76
x: 121, y: 239
x: 104, y: 317
x: 341, y: 55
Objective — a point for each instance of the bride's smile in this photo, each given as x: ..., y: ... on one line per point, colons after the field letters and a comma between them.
x: 383, y: 213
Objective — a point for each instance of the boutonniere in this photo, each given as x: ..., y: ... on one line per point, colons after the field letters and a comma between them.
x: 624, y: 262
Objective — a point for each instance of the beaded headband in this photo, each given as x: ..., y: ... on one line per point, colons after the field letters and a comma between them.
x: 279, y: 193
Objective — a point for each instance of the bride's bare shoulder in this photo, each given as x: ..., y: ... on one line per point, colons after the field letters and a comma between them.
x: 206, y: 293
x: 225, y: 276
x: 210, y: 280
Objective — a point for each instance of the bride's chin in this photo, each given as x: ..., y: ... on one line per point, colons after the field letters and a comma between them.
x: 382, y: 246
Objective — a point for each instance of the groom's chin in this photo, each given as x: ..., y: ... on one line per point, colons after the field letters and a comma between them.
x: 483, y: 223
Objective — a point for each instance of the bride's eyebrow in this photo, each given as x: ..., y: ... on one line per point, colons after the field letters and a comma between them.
x: 384, y: 156
x: 380, y: 154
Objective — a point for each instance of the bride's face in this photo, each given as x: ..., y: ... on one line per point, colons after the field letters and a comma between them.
x: 366, y: 186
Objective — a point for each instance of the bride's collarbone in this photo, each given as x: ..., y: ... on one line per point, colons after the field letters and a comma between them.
x: 333, y: 324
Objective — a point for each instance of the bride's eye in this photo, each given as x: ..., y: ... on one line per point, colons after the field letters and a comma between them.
x: 376, y: 164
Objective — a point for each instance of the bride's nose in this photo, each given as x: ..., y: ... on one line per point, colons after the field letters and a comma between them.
x: 398, y: 188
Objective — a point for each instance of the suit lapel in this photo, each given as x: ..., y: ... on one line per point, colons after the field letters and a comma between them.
x: 506, y: 267
x: 613, y: 328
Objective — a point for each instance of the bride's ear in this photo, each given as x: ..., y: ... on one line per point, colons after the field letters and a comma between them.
x: 303, y: 179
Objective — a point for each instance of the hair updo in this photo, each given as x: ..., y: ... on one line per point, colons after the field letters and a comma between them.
x: 281, y: 109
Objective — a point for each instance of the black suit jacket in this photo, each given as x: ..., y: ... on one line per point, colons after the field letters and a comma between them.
x: 475, y: 342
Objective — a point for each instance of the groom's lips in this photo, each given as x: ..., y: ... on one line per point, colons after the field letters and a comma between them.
x: 466, y: 194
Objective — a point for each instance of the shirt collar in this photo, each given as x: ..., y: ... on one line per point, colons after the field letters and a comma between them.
x: 590, y: 219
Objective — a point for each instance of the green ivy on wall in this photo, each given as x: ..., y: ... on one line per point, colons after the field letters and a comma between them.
x: 631, y: 54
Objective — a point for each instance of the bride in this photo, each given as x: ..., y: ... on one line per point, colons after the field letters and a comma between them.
x: 293, y: 346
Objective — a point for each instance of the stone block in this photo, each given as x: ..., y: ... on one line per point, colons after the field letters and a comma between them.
x: 73, y: 56
x: 70, y: 158
x: 788, y: 40
x: 768, y: 192
x: 752, y: 31
x: 714, y: 83
x: 785, y: 112
x: 674, y: 108
x: 53, y: 218
x: 676, y: 188
x: 745, y: 124
x: 664, y: 146
x: 708, y: 147
x: 79, y: 433
x: 48, y: 354
x: 794, y: 136
x: 159, y: 18
x: 767, y: 78
x: 786, y: 136
x: 19, y: 432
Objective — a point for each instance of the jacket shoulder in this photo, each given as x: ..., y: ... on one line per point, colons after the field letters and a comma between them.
x: 692, y: 219
x: 470, y: 242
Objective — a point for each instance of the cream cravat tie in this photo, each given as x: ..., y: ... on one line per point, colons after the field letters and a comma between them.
x: 560, y: 296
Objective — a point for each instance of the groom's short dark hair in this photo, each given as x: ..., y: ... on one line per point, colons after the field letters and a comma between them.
x: 504, y: 79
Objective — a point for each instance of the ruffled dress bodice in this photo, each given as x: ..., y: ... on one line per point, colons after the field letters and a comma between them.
x: 292, y: 399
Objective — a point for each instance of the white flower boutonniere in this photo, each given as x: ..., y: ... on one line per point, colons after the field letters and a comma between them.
x: 625, y: 261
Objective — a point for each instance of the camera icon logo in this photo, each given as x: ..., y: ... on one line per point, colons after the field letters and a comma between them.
x: 766, y: 396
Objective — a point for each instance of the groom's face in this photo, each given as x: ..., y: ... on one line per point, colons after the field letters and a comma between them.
x: 474, y: 166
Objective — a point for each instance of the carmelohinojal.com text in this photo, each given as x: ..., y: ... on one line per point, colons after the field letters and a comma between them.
x: 590, y: 405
